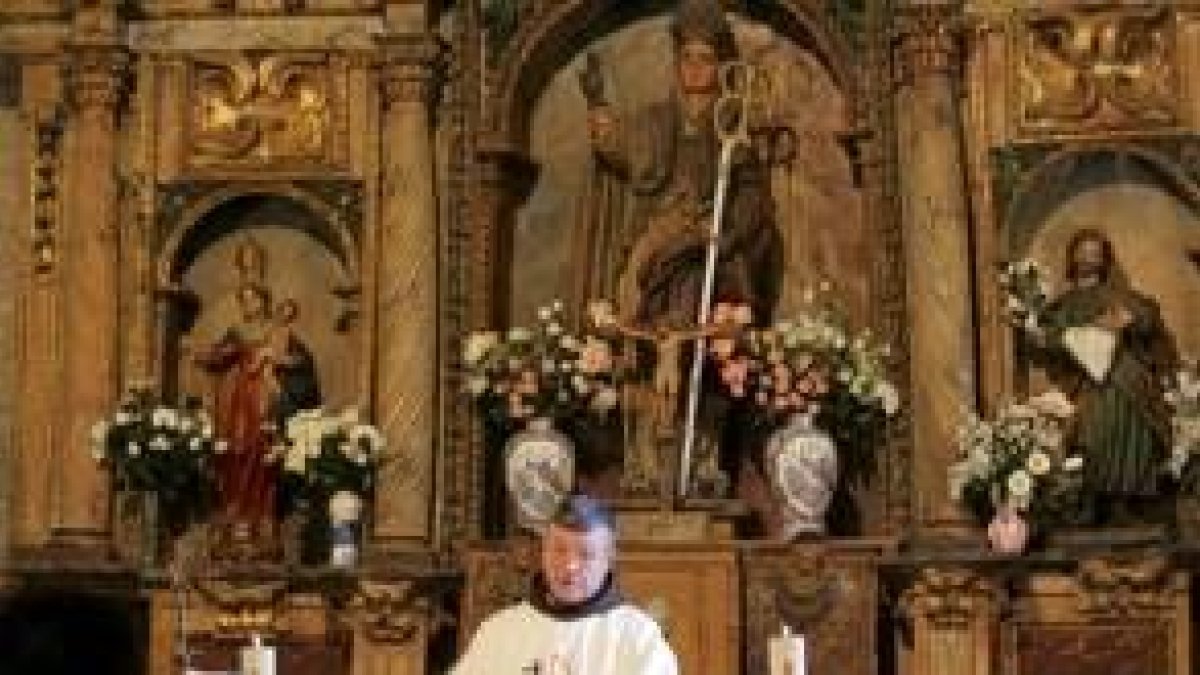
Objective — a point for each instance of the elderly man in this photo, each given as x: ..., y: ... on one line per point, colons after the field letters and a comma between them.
x: 576, y: 622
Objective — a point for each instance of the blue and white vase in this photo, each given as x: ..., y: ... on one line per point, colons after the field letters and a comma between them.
x: 802, y: 464
x: 539, y: 471
x: 345, y: 518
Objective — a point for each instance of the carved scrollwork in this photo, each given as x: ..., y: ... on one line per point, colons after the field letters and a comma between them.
x: 949, y: 598
x: 255, y: 110
x: 1096, y: 70
x: 392, y: 612
x: 244, y: 605
x: 1115, y: 588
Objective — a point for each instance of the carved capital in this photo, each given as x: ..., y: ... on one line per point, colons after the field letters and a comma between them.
x: 409, y: 69
x: 393, y: 612
x: 949, y: 598
x: 1113, y: 588
x: 928, y: 41
x: 98, y: 77
x: 243, y: 605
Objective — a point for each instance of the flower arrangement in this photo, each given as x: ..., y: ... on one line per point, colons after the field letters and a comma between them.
x: 151, y: 446
x: 543, y: 371
x: 1014, y: 460
x: 324, y: 454
x: 1026, y: 294
x: 1183, y: 397
x: 812, y: 363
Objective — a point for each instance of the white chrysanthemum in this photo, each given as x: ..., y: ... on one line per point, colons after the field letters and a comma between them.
x: 478, y: 345
x: 518, y: 334
x: 195, y: 444
x: 602, y: 314
x: 606, y: 399
x: 477, y: 385
x: 580, y: 384
x: 295, y: 459
x: 221, y: 446
x: 160, y: 444
x: 99, y: 432
x: 545, y: 313
x: 959, y: 476
x: 1038, y: 464
x: 888, y: 396
x: 554, y: 329
x: 1072, y: 463
x: 368, y: 435
x: 1054, y: 403
x: 1020, y: 484
x: 122, y: 417
x: 164, y: 417
x: 133, y: 449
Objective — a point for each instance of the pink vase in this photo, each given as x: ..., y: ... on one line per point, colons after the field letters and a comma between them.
x: 1008, y: 532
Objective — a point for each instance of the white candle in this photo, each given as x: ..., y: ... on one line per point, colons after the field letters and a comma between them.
x: 787, y: 654
x: 258, y: 659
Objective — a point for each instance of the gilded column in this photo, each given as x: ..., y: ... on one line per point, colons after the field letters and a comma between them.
x: 937, y: 253
x: 406, y: 391
x: 10, y: 198
x: 953, y: 618
x: 89, y: 310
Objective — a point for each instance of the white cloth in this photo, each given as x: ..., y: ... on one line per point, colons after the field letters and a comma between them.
x: 521, y: 640
x: 1093, y: 348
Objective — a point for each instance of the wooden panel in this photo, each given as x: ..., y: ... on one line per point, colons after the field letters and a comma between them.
x: 1085, y: 650
x: 694, y: 594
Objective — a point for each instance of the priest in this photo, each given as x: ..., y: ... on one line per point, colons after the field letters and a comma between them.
x: 575, y: 622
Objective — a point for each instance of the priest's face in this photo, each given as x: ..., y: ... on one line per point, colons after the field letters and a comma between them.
x: 576, y: 562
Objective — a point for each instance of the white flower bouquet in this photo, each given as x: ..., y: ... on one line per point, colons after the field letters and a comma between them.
x: 544, y: 371
x: 1183, y: 397
x: 150, y: 445
x: 1015, y: 460
x: 324, y: 453
x: 1026, y: 294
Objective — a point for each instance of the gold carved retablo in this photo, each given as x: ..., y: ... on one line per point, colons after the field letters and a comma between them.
x: 1092, y: 70
x: 259, y: 111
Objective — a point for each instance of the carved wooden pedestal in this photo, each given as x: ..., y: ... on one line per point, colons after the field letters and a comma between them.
x: 1058, y: 612
x: 321, y: 622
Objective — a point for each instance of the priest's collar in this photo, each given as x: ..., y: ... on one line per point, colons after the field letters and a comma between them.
x: 604, y: 599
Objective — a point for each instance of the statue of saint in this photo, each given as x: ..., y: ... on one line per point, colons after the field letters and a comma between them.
x: 265, y: 374
x: 649, y: 213
x: 1106, y: 345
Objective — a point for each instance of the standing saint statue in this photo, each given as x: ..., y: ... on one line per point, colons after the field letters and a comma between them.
x: 265, y: 374
x: 242, y: 361
x: 649, y: 210
x: 1106, y: 345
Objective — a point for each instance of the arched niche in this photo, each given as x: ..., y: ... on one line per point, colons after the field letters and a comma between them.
x: 1144, y: 200
x: 307, y: 244
x: 821, y: 210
